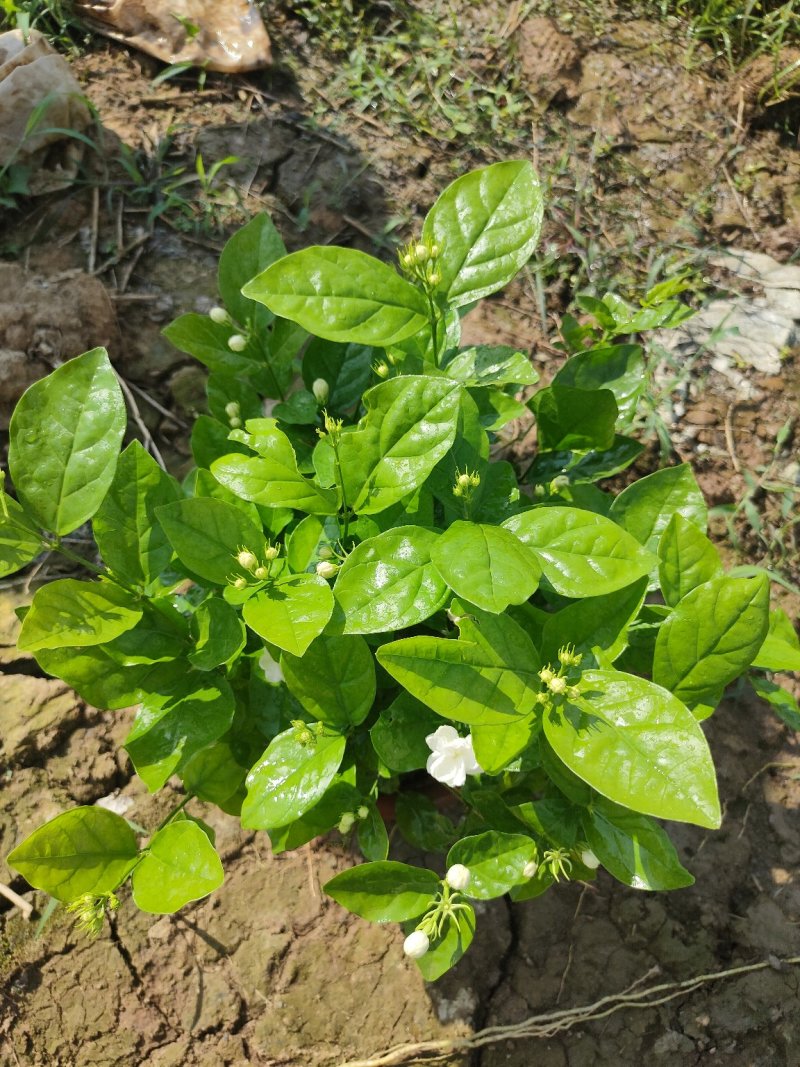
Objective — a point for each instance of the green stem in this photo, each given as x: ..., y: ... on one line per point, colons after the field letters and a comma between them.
x: 175, y: 811
x: 337, y: 467
x: 434, y: 320
x: 56, y: 546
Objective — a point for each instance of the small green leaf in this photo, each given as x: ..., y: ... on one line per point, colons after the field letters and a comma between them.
x: 341, y: 294
x: 20, y: 541
x: 569, y: 418
x: 782, y: 703
x: 486, y: 565
x: 289, y: 778
x: 372, y: 837
x: 646, y: 507
x: 498, y: 745
x: 218, y: 634
x: 213, y: 774
x: 491, y: 365
x: 75, y: 613
x: 179, y: 865
x: 597, y: 622
x: 249, y: 251
x: 422, y: 824
x: 334, y: 679
x: 64, y: 441
x: 291, y: 611
x: 384, y: 892
x: 781, y: 648
x: 495, y: 861
x: 87, y: 850
x: 617, y: 367
x: 399, y: 735
x: 206, y: 534
x: 687, y: 559
x: 633, y: 848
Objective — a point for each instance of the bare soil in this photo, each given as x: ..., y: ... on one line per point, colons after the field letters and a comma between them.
x: 641, y: 149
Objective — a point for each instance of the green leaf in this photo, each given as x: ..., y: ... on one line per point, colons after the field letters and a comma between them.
x: 339, y: 798
x: 346, y: 369
x: 782, y: 703
x: 487, y: 224
x: 495, y: 861
x: 85, y: 850
x: 574, y: 418
x: 409, y: 425
x: 633, y: 848
x: 422, y: 824
x: 372, y: 837
x: 289, y: 778
x: 213, y: 774
x: 206, y: 534
x: 249, y: 251
x: 210, y: 440
x: 217, y: 633
x: 179, y: 865
x: 75, y: 613
x: 341, y: 294
x: 595, y: 465
x: 711, y: 637
x: 597, y: 622
x: 172, y: 725
x: 687, y: 559
x: 497, y: 746
x: 64, y: 441
x: 225, y: 389
x: 20, y: 541
x: 638, y: 745
x: 291, y: 611
x: 619, y: 368
x: 486, y: 565
x: 781, y: 648
x: 300, y: 409
x: 445, y: 953
x: 388, y: 582
x: 581, y: 554
x: 384, y: 892
x: 488, y: 676
x: 646, y: 507
x: 334, y: 679
x: 399, y: 735
x: 487, y: 365
x: 131, y: 541
x: 306, y: 539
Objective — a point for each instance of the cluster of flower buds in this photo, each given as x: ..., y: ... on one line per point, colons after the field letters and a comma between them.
x: 249, y: 561
x: 350, y: 818
x: 307, y: 733
x: 333, y: 427
x: 233, y: 413
x: 91, y: 911
x: 237, y: 342
x: 446, y: 906
x: 420, y: 261
x: 561, y: 683
x: 466, y: 483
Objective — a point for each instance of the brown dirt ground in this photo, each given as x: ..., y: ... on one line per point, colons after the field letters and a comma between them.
x: 639, y: 148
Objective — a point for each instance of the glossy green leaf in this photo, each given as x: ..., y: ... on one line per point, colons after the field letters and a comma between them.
x: 569, y: 418
x: 84, y: 850
x: 399, y: 735
x: 290, y: 777
x: 781, y: 648
x: 619, y: 368
x: 373, y: 839
x: 495, y: 861
x: 131, y: 541
x: 487, y: 224
x: 305, y: 540
x: 325, y: 815
x: 646, y: 507
x: 217, y: 633
x: 291, y: 611
x: 384, y: 892
x: 409, y: 425
x: 486, y: 565
x: 581, y: 554
x: 210, y: 441
x: 388, y: 582
x: 341, y: 294
x: 687, y: 559
x: 172, y: 725
x: 75, y: 613
x: 206, y: 534
x: 711, y: 637
x: 300, y: 409
x: 334, y: 679
x: 179, y: 865
x: 634, y: 848
x: 782, y: 703
x: 448, y: 950
x: 553, y: 818
x: 225, y: 389
x: 345, y: 368
x: 597, y: 622
x: 485, y: 365
x: 64, y: 441
x: 20, y: 541
x: 606, y: 463
x: 213, y: 774
x: 498, y: 745
x: 621, y: 721
x: 249, y: 251
x: 489, y: 675
x: 422, y: 824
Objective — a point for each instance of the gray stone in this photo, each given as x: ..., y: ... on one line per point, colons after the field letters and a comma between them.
x: 786, y: 276
x: 784, y: 301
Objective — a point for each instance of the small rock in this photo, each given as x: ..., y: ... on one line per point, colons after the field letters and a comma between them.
x: 784, y: 301
x: 782, y: 277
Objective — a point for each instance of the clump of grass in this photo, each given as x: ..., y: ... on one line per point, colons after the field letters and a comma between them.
x: 52, y: 18
x: 739, y: 30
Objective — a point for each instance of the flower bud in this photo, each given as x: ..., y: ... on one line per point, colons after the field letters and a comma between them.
x: 381, y: 369
x: 325, y: 552
x: 435, y: 250
x: 434, y: 278
x: 422, y: 253
x: 218, y: 315
x: 326, y: 569
x: 271, y: 552
x: 235, y: 422
x: 237, y: 342
x: 588, y: 859
x: 463, y: 481
x: 346, y: 822
x: 363, y: 812
x: 547, y: 675
x: 321, y: 390
x: 416, y: 944
x: 262, y: 573
x: 232, y: 409
x: 240, y: 583
x: 458, y: 877
x: 530, y: 869
x: 245, y: 558
x: 557, y: 685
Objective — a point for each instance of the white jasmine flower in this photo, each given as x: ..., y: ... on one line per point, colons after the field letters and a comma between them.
x: 218, y: 314
x: 452, y: 757
x: 530, y: 869
x: 320, y: 389
x: 116, y: 803
x: 458, y: 877
x: 588, y: 859
x: 270, y: 667
x: 237, y: 343
x: 416, y: 944
x: 326, y: 569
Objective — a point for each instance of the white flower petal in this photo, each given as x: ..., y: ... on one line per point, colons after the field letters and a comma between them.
x: 442, y: 738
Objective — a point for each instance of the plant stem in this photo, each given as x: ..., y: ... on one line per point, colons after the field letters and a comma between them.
x: 434, y: 322
x: 175, y: 811
x: 340, y: 482
x: 69, y: 554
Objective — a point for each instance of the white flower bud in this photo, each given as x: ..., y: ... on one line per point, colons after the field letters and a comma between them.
x: 530, y: 869
x: 588, y: 859
x: 326, y: 569
x: 458, y: 877
x: 232, y: 409
x: 245, y: 558
x: 235, y: 422
x: 325, y: 552
x: 262, y: 573
x: 240, y: 583
x: 557, y: 685
x: 416, y: 944
x: 237, y: 342
x: 218, y: 314
x: 346, y: 822
x: 363, y: 811
x: 422, y: 253
x: 321, y: 390
x: 271, y: 552
x: 381, y: 369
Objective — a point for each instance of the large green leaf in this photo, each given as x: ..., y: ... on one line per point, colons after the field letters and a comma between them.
x: 568, y: 418
x: 399, y: 734
x: 633, y: 848
x: 334, y: 679
x: 179, y: 865
x: 489, y: 675
x: 422, y: 824
x: 218, y: 634
x: 341, y: 294
x: 290, y: 777
x: 582, y: 554
x: 409, y: 425
x: 388, y: 582
x: 687, y: 559
x: 486, y: 565
x: 131, y: 540
x: 491, y: 365
x: 598, y: 622
x: 85, y: 850
x: 638, y: 745
x: 249, y: 251
x: 291, y: 611
x: 781, y: 648
x: 345, y: 369
x: 618, y: 368
x: 75, y: 613
x: 711, y: 637
x: 64, y: 441
x: 487, y: 224
x: 646, y: 507
x: 20, y: 541
x: 498, y: 745
x: 495, y: 861
x: 385, y: 891
x: 206, y: 534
